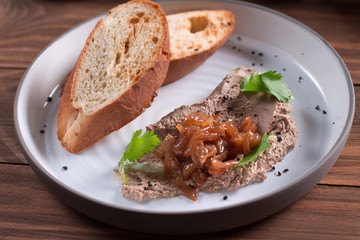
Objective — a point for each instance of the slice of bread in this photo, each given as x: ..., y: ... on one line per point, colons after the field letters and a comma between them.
x: 119, y: 71
x: 194, y: 37
x: 271, y: 117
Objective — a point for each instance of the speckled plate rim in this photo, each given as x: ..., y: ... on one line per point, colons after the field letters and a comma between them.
x: 338, y: 144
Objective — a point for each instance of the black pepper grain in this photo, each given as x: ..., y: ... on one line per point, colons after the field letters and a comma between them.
x: 239, y: 38
x: 285, y: 170
x: 279, y: 138
x: 233, y: 47
x: 253, y: 64
x: 65, y: 168
x: 317, y: 107
x: 49, y: 99
x: 196, y: 49
x: 192, y: 186
x: 261, y: 54
x: 284, y: 69
x: 149, y: 184
x: 42, y: 131
x: 229, y: 23
x: 225, y: 197
x: 230, y: 108
x: 217, y: 112
x: 324, y: 112
x: 252, y: 52
x: 278, y: 173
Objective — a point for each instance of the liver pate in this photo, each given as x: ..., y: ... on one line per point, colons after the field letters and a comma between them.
x: 270, y: 116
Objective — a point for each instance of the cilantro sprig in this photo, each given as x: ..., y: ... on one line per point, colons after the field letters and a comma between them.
x: 137, y: 148
x: 269, y: 82
x: 262, y: 146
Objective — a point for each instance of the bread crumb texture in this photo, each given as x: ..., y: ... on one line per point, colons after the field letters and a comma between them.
x: 198, y: 31
x: 117, y: 54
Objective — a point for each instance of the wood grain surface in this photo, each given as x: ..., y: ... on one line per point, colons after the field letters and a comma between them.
x: 331, y: 210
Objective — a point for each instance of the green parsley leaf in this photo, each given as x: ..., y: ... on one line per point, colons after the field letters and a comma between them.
x: 137, y: 148
x: 262, y: 146
x: 269, y: 82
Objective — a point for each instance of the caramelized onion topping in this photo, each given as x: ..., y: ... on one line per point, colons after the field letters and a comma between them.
x: 206, y: 146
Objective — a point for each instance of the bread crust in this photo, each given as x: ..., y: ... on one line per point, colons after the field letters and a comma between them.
x: 78, y: 130
x: 179, y: 67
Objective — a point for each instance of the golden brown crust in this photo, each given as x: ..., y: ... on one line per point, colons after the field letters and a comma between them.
x: 87, y: 129
x: 66, y: 109
x: 181, y: 66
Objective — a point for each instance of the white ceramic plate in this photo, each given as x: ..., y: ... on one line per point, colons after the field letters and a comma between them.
x: 262, y: 39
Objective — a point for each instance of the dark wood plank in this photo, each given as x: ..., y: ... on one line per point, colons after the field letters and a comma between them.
x: 27, y: 27
x: 28, y: 209
x: 9, y: 147
x: 346, y: 169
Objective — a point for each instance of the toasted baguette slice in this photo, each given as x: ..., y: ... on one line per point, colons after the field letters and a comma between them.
x: 194, y: 37
x: 123, y: 64
x: 270, y: 116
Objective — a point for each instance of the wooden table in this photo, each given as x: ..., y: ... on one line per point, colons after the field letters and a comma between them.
x: 331, y: 210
